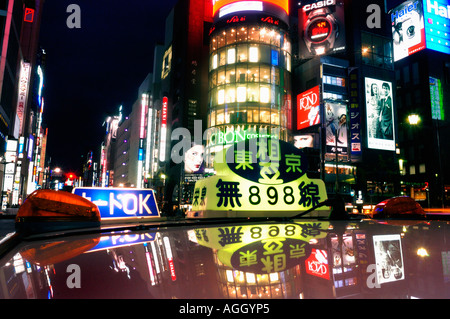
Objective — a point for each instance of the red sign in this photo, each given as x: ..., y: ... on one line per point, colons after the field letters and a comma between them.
x: 29, y: 15
x: 308, y: 108
x: 317, y: 264
x: 164, y: 112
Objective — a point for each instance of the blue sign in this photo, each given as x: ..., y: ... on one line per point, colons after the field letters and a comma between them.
x: 437, y: 25
x: 114, y: 203
x: 123, y: 239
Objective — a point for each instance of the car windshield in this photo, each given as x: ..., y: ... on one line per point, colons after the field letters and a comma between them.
x: 238, y: 260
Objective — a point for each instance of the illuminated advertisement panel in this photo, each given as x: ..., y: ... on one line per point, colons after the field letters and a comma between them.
x: 336, y: 127
x: 162, y: 153
x: 230, y: 6
x: 308, y: 108
x: 380, y: 114
x: 408, y: 30
x: 321, y: 28
x: 437, y: 99
x: 25, y: 71
x: 193, y: 160
x: 388, y: 258
x: 437, y: 24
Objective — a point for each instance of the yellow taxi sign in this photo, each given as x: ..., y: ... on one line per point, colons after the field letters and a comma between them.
x: 258, y: 177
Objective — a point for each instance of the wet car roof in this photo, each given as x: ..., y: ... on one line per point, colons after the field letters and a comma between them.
x: 236, y: 259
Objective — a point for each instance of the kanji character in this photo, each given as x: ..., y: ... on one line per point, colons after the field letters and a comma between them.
x: 228, y: 191
x: 230, y: 235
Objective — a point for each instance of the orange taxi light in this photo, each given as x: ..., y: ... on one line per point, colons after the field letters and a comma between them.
x: 58, y: 204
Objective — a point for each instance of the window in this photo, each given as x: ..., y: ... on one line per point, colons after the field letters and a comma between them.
x: 253, y: 54
x: 376, y: 50
x: 241, y: 93
x: 231, y: 56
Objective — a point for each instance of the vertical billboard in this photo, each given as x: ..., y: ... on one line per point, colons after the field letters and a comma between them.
x: 379, y: 114
x: 321, y: 28
x: 408, y: 29
x: 308, y: 108
x: 336, y: 127
x: 437, y: 99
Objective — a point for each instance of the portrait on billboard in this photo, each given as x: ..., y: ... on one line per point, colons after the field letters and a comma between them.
x: 321, y: 28
x: 304, y: 140
x: 388, y: 258
x: 336, y: 127
x: 193, y: 159
x: 379, y: 114
x: 408, y: 30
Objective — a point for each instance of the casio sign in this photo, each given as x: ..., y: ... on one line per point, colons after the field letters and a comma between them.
x: 318, y: 4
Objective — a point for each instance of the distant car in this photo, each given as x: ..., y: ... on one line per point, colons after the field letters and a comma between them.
x: 62, y: 250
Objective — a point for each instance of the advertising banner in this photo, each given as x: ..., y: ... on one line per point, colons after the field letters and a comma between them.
x: 336, y: 127
x: 437, y: 99
x: 408, y: 30
x: 380, y: 114
x: 308, y: 108
x: 388, y: 258
x: 321, y: 28
x: 437, y: 25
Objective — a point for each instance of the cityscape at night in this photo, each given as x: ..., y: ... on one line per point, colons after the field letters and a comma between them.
x: 224, y: 149
x: 96, y: 98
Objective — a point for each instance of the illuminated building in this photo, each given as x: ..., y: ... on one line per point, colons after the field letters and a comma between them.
x: 249, y: 73
x: 421, y: 38
x: 344, y: 54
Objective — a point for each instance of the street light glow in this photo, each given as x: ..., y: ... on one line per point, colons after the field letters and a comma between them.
x: 413, y: 119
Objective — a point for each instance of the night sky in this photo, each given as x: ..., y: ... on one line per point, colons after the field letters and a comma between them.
x: 92, y: 70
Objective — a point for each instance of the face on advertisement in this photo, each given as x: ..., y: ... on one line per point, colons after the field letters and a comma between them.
x: 193, y: 159
x: 301, y: 141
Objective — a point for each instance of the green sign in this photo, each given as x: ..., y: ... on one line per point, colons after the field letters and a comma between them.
x: 436, y: 98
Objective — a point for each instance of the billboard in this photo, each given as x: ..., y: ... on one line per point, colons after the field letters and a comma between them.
x: 420, y: 24
x: 437, y: 99
x: 437, y: 27
x: 225, y: 7
x: 408, y: 29
x: 388, y: 258
x: 308, y: 108
x: 336, y: 127
x: 379, y: 114
x: 321, y: 28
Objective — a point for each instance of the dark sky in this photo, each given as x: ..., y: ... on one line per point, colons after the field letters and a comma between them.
x: 91, y: 71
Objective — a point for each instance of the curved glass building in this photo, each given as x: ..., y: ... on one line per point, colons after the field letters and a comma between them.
x: 249, y: 77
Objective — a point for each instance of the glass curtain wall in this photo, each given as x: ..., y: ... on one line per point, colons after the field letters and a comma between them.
x: 249, y: 83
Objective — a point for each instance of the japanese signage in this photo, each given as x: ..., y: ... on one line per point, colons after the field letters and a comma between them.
x: 380, y: 115
x: 308, y: 108
x: 24, y: 79
x: 258, y: 176
x: 355, y: 117
x: 321, y: 28
x: 162, y: 149
x: 262, y: 248
x: 437, y: 99
x: 121, y: 203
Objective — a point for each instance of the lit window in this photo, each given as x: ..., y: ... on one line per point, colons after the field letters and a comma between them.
x: 231, y: 96
x: 264, y: 95
x: 221, y: 97
x: 253, y: 54
x: 241, y: 93
x: 214, y: 61
x: 231, y: 56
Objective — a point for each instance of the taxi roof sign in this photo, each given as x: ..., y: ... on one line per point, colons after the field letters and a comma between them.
x: 121, y: 203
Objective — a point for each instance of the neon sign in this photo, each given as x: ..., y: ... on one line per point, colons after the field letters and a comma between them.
x: 218, y: 4
x: 308, y: 106
x: 29, y: 15
x: 162, y: 153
